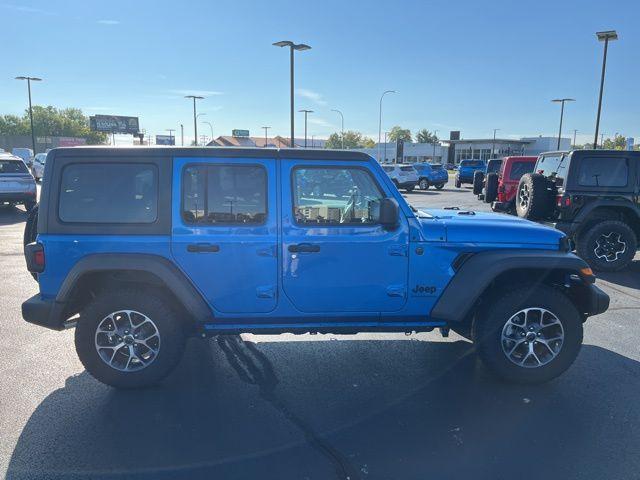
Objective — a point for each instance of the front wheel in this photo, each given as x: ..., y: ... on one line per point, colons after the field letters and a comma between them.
x: 129, y: 338
x: 530, y: 335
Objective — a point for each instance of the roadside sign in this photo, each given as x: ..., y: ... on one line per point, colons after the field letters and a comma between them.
x: 114, y: 124
x: 239, y: 133
x: 165, y: 140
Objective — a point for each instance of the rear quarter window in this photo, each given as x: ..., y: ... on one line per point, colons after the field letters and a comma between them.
x: 108, y: 193
x: 603, y: 172
x: 518, y: 169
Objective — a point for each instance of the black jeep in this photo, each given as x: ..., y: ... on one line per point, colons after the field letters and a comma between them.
x: 592, y: 196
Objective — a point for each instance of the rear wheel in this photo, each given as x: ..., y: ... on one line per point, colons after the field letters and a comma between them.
x: 409, y: 189
x: 530, y: 335
x: 608, y: 246
x: 491, y: 187
x: 478, y: 179
x: 440, y: 186
x: 129, y: 338
x: 424, y: 184
x: 534, y: 199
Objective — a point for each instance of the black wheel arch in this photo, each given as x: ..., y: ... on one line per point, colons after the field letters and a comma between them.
x: 481, y: 275
x: 94, y: 273
x: 611, y: 210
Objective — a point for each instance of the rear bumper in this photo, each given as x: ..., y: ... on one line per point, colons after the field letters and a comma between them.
x: 501, y: 206
x: 45, y: 313
x: 597, y: 301
x: 17, y: 197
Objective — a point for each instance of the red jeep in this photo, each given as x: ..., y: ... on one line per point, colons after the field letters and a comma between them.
x: 505, y: 188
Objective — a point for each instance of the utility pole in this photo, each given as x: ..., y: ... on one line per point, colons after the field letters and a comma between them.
x: 182, y: 135
x: 574, y: 137
x: 195, y: 119
x: 305, y: 124
x: 435, y: 137
x: 171, y: 140
x: 561, y: 101
x: 493, y: 145
x: 342, y: 125
x: 29, y: 80
x: 266, y: 137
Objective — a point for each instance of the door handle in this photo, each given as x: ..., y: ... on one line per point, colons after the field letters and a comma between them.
x: 304, y: 248
x: 202, y: 248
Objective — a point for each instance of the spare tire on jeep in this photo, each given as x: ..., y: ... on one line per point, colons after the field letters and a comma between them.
x: 491, y: 187
x: 535, y: 196
x: 478, y: 178
x: 31, y: 229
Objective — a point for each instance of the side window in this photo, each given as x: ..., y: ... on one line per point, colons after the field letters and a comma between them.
x: 108, y: 193
x: 224, y: 194
x: 603, y: 172
x: 335, y: 196
x: 518, y: 169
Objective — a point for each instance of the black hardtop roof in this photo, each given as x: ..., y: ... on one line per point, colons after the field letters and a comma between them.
x: 225, y: 152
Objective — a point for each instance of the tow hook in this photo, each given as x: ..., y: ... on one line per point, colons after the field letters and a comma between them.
x: 444, y: 331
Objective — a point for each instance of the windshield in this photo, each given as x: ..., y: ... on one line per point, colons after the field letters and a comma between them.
x: 471, y: 163
x: 13, y: 166
x: 494, y: 166
x: 553, y: 165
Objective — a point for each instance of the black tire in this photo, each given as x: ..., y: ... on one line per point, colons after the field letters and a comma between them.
x: 147, y: 302
x: 535, y: 196
x: 488, y: 330
x: 478, y: 179
x: 458, y: 183
x: 491, y: 187
x: 440, y: 186
x: 31, y: 226
x: 423, y: 184
x: 28, y: 206
x: 608, y: 246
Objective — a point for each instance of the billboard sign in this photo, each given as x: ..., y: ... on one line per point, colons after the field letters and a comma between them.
x: 239, y: 133
x: 114, y: 124
x: 454, y: 135
x: 165, y: 140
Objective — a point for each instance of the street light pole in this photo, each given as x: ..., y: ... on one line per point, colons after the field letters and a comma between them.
x: 342, y: 125
x: 211, y: 128
x: 380, y: 122
x: 574, y: 137
x: 182, y: 135
x: 385, y: 147
x: 561, y: 101
x: 493, y: 145
x: 292, y: 46
x: 602, y: 37
x: 266, y: 138
x: 29, y: 80
x: 305, y: 124
x: 433, y: 156
x: 195, y: 119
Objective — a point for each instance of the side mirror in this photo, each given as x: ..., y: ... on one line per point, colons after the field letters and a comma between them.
x: 389, y: 213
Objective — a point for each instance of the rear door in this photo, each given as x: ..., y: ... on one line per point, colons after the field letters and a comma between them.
x: 224, y: 232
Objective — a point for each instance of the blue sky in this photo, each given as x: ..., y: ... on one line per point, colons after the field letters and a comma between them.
x: 467, y: 65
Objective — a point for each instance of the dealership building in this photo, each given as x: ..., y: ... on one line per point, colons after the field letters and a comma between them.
x: 453, y: 151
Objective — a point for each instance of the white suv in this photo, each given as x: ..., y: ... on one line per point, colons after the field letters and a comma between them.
x: 37, y: 169
x: 403, y: 176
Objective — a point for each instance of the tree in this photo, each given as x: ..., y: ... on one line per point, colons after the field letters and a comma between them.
x: 352, y: 139
x: 619, y: 142
x: 52, y: 122
x: 425, y: 136
x: 399, y: 133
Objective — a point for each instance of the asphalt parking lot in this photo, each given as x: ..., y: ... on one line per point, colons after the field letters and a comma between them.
x: 384, y: 406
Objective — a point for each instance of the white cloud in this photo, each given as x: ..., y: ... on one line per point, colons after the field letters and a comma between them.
x: 315, y: 97
x: 321, y: 122
x: 201, y: 93
x: 25, y: 9
x: 109, y: 22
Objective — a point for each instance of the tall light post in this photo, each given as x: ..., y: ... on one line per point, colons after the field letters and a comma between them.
x: 266, y: 137
x: 182, y: 135
x: 605, y: 37
x: 493, y: 145
x: 342, y: 125
x: 292, y: 47
x: 380, y: 121
x: 385, y: 147
x: 575, y: 131
x: 433, y: 155
x: 561, y: 101
x: 210, y: 127
x: 196, y: 122
x: 171, y: 130
x: 306, y: 112
x: 29, y: 80
x: 195, y: 117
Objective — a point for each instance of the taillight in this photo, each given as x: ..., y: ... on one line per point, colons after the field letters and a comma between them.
x: 34, y: 253
x: 563, y: 201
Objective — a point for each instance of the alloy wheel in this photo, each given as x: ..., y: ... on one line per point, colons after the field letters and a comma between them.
x: 610, y: 246
x: 532, y: 337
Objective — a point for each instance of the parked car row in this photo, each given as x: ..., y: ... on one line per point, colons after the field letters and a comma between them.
x: 17, y: 185
x: 422, y: 175
x: 591, y: 195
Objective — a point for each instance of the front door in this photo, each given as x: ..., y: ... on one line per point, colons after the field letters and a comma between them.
x: 336, y: 256
x: 225, y: 231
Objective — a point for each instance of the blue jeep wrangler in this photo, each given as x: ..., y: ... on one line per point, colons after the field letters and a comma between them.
x: 466, y: 169
x: 140, y: 248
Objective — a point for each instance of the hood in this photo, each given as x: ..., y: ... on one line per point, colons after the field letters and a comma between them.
x: 463, y: 226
